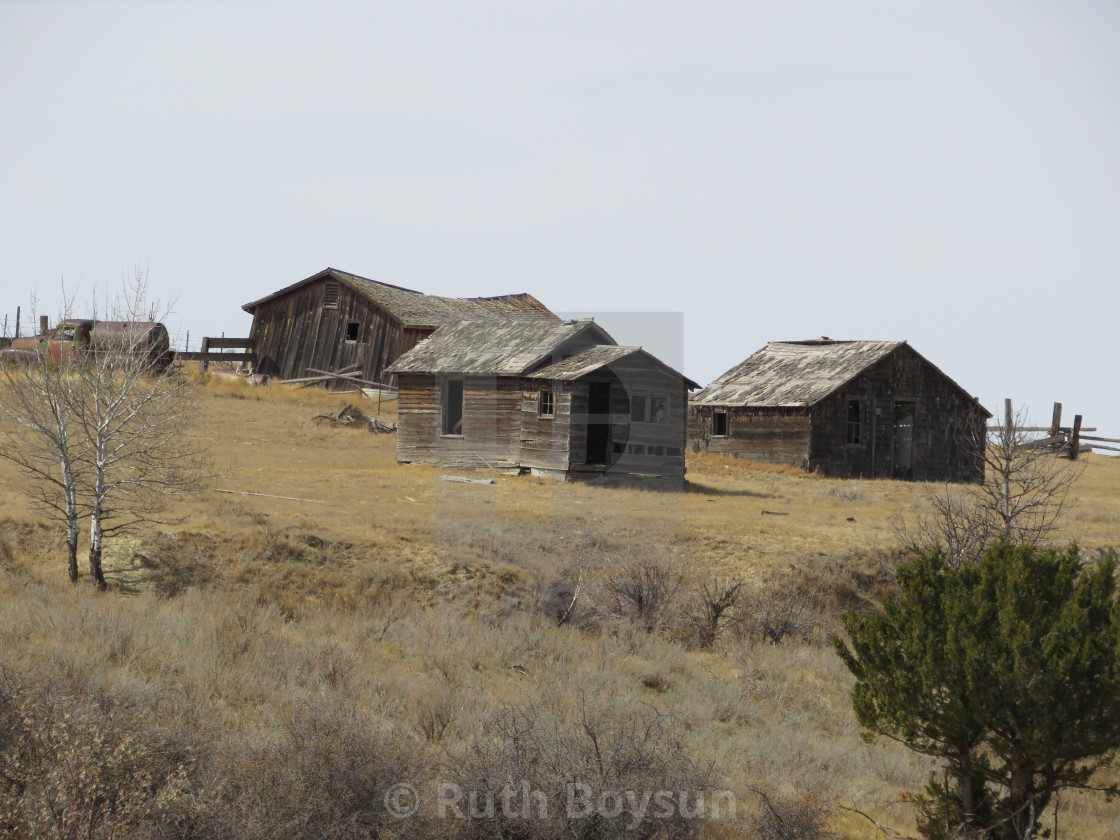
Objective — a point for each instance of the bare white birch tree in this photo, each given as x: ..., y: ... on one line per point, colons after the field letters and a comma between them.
x: 134, y: 423
x: 104, y: 431
x: 41, y: 437
x: 1021, y: 498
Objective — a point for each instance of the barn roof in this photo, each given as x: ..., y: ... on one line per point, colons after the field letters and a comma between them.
x: 599, y: 356
x: 794, y: 373
x: 494, y: 347
x: 416, y: 309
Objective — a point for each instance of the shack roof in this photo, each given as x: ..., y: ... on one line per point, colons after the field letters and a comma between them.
x: 599, y: 356
x: 798, y: 373
x: 416, y: 309
x: 494, y: 347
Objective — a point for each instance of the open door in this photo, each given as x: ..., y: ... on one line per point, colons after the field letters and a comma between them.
x: 598, y: 422
x: 903, y: 460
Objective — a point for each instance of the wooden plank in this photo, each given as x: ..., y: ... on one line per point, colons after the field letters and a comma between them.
x: 1074, y: 443
x: 230, y: 342
x: 1106, y: 440
x: 214, y: 357
x: 462, y: 479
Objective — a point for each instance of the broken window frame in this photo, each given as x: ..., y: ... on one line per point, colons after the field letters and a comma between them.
x: 720, y: 424
x: 353, y: 328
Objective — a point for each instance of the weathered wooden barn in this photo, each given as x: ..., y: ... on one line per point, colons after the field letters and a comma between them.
x: 334, y: 319
x: 872, y: 409
x: 560, y: 399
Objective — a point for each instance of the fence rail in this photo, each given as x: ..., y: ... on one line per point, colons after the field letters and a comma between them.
x: 210, y: 345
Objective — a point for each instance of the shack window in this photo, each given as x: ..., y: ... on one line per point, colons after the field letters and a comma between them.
x: 637, y: 409
x: 855, y: 433
x: 330, y: 296
x: 658, y: 410
x: 352, y: 331
x: 719, y: 424
x: 452, y: 406
x: 546, y: 407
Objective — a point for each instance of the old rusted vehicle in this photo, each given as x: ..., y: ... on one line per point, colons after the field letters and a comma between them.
x: 79, y: 337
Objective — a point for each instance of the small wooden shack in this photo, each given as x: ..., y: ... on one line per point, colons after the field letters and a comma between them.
x: 334, y: 320
x: 872, y: 409
x: 558, y: 399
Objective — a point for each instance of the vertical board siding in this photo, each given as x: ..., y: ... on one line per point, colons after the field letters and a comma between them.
x: 296, y: 332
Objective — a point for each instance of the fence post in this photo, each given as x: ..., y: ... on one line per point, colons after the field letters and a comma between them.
x: 1075, y: 439
x: 1009, y: 424
x: 17, y: 322
x: 1056, y: 423
x: 44, y: 324
x: 205, y: 350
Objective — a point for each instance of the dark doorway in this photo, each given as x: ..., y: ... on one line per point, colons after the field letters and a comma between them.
x: 598, y: 422
x: 903, y: 439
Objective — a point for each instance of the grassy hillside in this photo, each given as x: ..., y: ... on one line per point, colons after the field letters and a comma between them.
x: 324, y: 607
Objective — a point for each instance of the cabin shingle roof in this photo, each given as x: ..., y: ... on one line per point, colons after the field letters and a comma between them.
x: 416, y: 309
x: 593, y: 358
x: 493, y: 347
x: 794, y: 373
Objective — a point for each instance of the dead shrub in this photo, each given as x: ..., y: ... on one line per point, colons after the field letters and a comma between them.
x: 642, y: 590
x: 792, y: 608
x: 710, y: 608
x: 530, y: 766
x: 75, y: 765
x: 799, y: 817
x: 324, y: 777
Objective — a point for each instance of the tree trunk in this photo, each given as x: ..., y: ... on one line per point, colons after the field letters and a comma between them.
x: 95, y: 539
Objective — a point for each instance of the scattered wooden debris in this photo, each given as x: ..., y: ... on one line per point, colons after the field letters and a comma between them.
x: 462, y: 479
x: 269, y: 496
x: 354, y: 416
x: 774, y: 513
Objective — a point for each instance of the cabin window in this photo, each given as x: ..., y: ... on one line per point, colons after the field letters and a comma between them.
x: 855, y: 418
x: 330, y: 296
x: 352, y: 331
x: 719, y: 424
x: 452, y: 406
x: 546, y: 406
x: 637, y: 409
x: 658, y: 410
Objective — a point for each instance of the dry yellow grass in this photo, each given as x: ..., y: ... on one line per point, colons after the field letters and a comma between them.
x: 411, y: 591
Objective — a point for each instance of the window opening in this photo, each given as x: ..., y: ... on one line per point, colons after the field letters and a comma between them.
x: 453, y: 407
x: 719, y: 424
x: 854, y: 422
x: 547, y: 403
x: 352, y: 331
x: 637, y: 409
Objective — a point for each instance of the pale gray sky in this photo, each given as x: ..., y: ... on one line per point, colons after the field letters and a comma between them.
x: 946, y: 173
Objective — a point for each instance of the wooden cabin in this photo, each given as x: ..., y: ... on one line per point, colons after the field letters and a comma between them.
x: 558, y: 399
x: 871, y: 409
x: 334, y: 319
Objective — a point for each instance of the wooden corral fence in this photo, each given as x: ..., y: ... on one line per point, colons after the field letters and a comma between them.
x: 1069, y: 440
x: 245, y: 347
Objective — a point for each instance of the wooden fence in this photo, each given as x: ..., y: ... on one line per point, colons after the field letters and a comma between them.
x: 246, y: 347
x: 1069, y: 440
